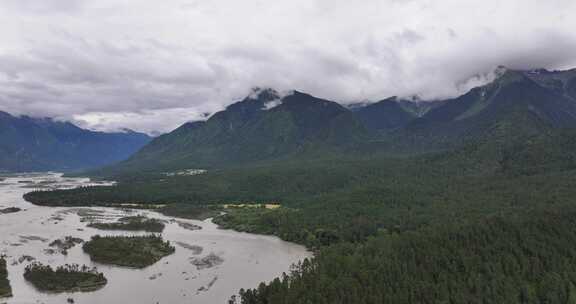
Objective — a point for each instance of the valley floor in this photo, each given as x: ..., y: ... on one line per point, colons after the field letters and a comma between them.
x: 442, y: 228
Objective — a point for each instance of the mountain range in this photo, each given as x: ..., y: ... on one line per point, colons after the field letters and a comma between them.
x: 530, y: 101
x: 41, y: 144
x: 262, y: 126
x: 267, y: 126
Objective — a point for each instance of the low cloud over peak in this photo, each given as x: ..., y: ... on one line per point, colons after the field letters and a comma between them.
x: 152, y: 65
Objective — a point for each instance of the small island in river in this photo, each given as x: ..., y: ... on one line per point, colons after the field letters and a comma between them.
x: 67, y: 278
x: 5, y: 290
x: 10, y: 210
x: 132, y: 223
x: 63, y: 245
x: 129, y: 251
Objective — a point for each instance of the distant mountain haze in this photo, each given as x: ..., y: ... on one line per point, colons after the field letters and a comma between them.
x: 41, y: 144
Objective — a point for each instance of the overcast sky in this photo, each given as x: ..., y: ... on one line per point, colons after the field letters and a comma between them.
x: 151, y: 65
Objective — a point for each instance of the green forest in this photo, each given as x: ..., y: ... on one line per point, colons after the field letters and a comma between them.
x: 492, y: 261
x: 484, y: 223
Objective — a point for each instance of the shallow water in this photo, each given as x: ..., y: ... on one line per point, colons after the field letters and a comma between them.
x: 247, y: 259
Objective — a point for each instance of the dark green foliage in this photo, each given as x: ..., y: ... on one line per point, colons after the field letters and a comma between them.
x: 5, y: 290
x: 132, y: 251
x: 67, y: 278
x: 492, y: 261
x: 280, y: 181
x: 28, y: 144
x: 249, y: 219
x: 132, y: 223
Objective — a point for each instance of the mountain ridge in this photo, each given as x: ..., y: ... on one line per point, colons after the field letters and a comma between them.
x: 267, y: 126
x: 509, y: 96
x: 249, y: 131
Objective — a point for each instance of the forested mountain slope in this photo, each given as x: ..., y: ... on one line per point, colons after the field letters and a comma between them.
x: 513, y: 101
x: 392, y: 113
x: 261, y: 127
x: 384, y: 115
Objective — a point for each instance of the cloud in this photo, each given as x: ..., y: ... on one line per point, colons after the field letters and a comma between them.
x: 43, y: 6
x: 152, y: 65
x: 143, y: 120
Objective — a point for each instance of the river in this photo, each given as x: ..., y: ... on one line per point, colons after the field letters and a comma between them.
x: 246, y: 259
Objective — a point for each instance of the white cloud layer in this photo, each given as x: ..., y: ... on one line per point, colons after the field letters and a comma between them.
x: 152, y: 65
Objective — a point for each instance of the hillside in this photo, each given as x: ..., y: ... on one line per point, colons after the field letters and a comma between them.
x: 514, y: 101
x: 385, y: 115
x: 261, y: 127
x: 562, y: 82
x: 392, y: 113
